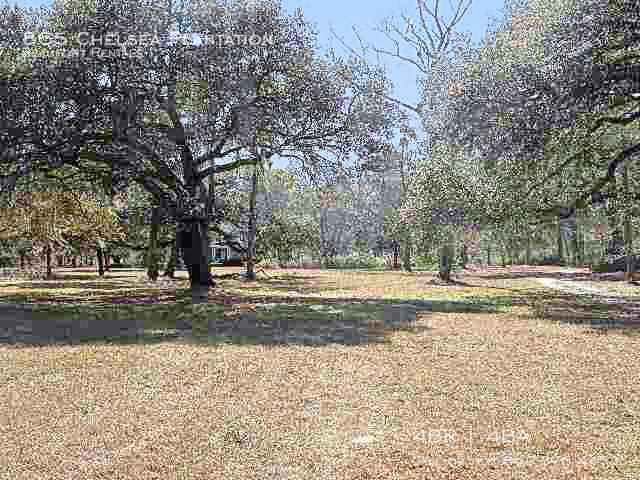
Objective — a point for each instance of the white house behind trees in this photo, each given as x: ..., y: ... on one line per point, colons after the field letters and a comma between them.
x: 219, y: 249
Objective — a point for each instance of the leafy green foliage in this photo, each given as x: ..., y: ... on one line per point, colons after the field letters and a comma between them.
x: 350, y: 262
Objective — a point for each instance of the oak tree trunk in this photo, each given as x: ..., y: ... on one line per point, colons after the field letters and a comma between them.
x: 193, y: 240
x: 194, y: 209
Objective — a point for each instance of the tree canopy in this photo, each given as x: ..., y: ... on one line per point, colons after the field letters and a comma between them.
x: 173, y: 115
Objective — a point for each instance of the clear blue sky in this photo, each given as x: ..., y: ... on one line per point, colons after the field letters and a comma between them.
x: 365, y: 15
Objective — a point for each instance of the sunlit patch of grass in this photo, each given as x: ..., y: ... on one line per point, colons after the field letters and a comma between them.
x: 345, y: 311
x: 72, y: 289
x: 444, y: 293
x: 620, y: 287
x: 255, y: 292
x: 41, y: 293
x: 286, y: 276
x: 78, y: 274
x: 408, y: 331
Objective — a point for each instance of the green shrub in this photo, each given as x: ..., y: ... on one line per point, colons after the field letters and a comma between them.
x: 351, y: 262
x: 7, y: 262
x: 431, y: 262
x: 427, y: 262
x: 329, y: 262
x: 376, y: 263
x: 267, y: 262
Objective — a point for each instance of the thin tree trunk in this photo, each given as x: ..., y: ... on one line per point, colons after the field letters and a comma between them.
x: 48, y: 253
x: 100, y: 264
x: 251, y: 275
x: 152, y: 253
x: 171, y: 262
x: 465, y: 258
x: 578, y: 244
x: 396, y: 254
x: 406, y: 257
x: 560, y: 249
x: 628, y: 231
x: 576, y: 250
x: 583, y: 244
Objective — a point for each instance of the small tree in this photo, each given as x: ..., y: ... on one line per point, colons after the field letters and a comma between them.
x: 95, y: 225
x: 51, y: 219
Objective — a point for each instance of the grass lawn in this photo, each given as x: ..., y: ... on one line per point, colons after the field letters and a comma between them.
x: 490, y: 383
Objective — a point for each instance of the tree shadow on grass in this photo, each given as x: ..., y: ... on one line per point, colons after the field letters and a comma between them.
x: 289, y: 319
x: 589, y: 310
x: 306, y: 321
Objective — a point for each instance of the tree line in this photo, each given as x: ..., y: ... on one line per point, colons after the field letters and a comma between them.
x: 530, y: 135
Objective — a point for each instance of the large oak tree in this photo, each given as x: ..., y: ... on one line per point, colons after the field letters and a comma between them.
x: 171, y: 117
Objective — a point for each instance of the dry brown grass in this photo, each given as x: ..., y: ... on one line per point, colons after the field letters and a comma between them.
x: 618, y: 287
x: 345, y: 412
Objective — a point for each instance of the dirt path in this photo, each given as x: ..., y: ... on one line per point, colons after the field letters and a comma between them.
x: 578, y: 303
x: 569, y: 286
x: 574, y: 287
